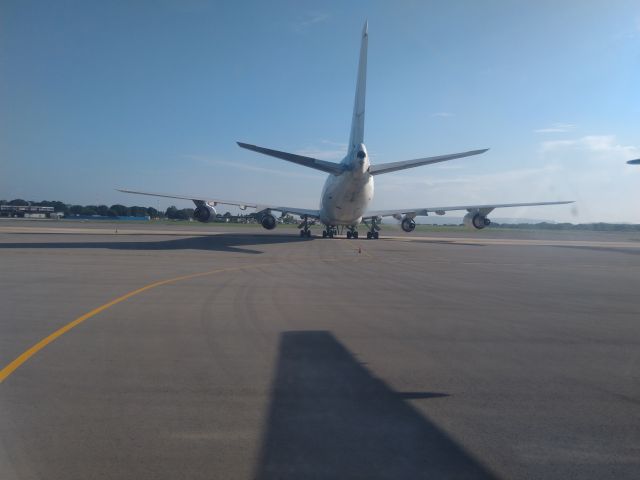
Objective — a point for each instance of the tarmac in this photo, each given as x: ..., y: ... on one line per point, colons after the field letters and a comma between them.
x: 164, y: 352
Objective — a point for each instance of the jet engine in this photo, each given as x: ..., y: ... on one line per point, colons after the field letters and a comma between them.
x: 408, y: 224
x: 268, y: 221
x: 204, y: 213
x: 475, y: 220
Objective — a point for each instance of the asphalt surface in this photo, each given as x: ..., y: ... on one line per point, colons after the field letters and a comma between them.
x: 418, y: 356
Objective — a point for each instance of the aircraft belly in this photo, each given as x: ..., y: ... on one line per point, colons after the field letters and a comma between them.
x: 345, y: 202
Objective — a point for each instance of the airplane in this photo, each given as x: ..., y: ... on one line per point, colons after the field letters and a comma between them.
x: 348, y: 189
x: 634, y: 162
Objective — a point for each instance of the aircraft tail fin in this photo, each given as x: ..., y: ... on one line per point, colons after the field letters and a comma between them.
x: 357, y: 121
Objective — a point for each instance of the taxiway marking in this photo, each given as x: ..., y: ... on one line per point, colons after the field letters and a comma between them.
x: 30, y: 352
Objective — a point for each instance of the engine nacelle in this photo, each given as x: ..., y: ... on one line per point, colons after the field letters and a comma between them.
x: 408, y: 224
x: 204, y: 213
x: 475, y: 220
x: 268, y: 221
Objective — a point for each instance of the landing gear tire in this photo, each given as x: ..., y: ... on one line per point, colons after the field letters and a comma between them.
x: 324, y: 234
x: 301, y: 233
x: 369, y: 235
x: 355, y: 235
x: 349, y: 234
x: 375, y: 235
x: 308, y: 233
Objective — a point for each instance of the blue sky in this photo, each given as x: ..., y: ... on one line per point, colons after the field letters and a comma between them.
x: 154, y: 95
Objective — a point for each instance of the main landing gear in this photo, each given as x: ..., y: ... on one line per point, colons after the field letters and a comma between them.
x: 304, y: 226
x: 329, y: 232
x: 372, y: 234
x: 332, y: 231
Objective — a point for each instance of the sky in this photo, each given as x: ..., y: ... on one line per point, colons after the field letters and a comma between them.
x: 153, y: 95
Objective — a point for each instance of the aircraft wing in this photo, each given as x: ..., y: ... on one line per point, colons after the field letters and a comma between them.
x: 242, y: 205
x: 424, y: 211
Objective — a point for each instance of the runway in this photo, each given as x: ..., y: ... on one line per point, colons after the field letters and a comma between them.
x: 238, y: 353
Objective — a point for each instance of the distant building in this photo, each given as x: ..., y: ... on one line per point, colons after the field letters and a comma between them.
x: 28, y: 211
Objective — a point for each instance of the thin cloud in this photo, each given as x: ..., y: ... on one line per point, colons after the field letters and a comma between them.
x: 328, y: 150
x: 443, y: 114
x: 309, y: 20
x: 592, y: 147
x: 243, y: 166
x: 484, y: 180
x: 629, y: 33
x: 603, y: 185
x: 557, y: 128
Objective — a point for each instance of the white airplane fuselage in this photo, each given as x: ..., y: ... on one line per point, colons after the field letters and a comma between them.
x: 345, y: 197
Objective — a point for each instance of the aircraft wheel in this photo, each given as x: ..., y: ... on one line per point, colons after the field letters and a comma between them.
x: 302, y: 233
x: 308, y: 233
x: 324, y: 234
x: 355, y: 235
x: 369, y: 236
x: 349, y: 234
x: 375, y: 235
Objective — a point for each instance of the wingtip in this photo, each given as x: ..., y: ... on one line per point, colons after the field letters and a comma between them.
x: 480, y: 151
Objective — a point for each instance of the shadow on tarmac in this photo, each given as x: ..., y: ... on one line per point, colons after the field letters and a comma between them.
x: 223, y: 242
x: 331, y: 418
x: 628, y: 251
x: 448, y: 242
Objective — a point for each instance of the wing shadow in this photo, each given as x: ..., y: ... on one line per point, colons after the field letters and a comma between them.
x: 224, y: 242
x: 331, y: 418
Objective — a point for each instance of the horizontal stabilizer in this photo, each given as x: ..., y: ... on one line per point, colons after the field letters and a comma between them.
x: 322, y: 165
x: 394, y: 166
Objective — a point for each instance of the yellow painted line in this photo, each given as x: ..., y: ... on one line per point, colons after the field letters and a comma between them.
x: 27, y: 354
x: 11, y: 367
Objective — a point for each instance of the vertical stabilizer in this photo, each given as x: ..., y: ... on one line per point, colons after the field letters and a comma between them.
x: 357, y: 121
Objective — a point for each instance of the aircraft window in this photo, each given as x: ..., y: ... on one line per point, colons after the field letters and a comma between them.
x: 361, y: 154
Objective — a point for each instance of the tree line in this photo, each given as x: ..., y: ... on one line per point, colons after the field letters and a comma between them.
x: 594, y: 227
x: 116, y: 210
